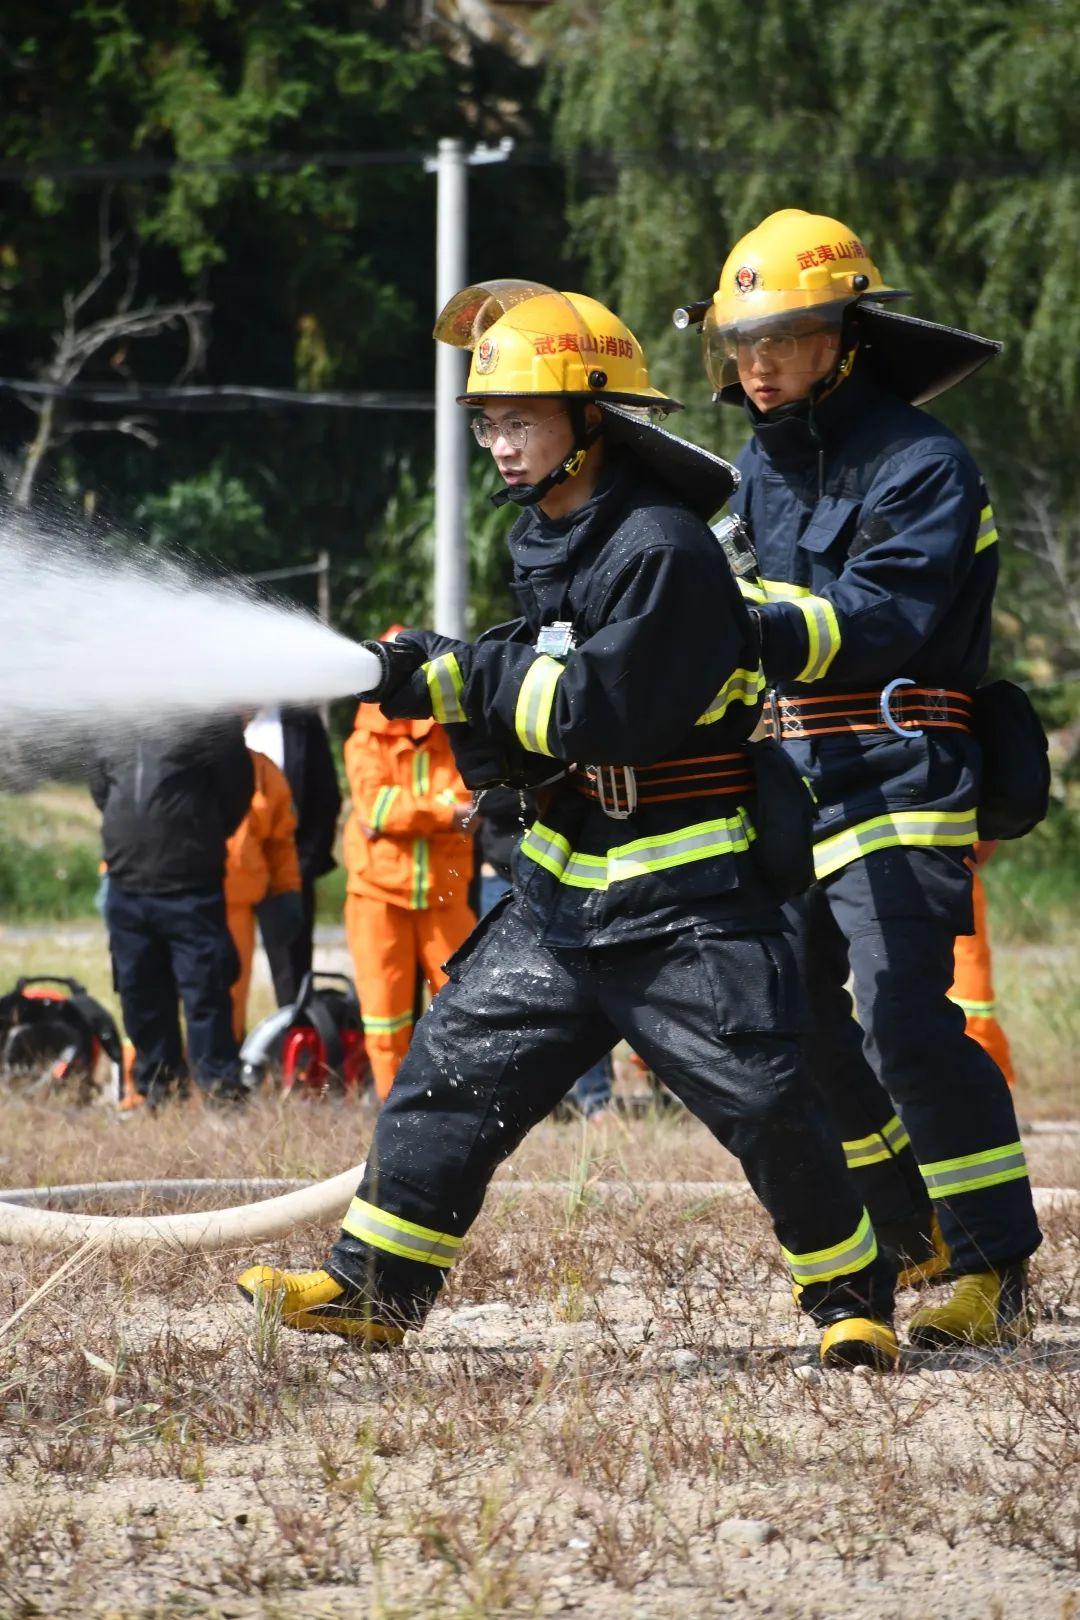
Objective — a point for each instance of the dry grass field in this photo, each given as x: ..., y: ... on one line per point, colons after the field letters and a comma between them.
x: 615, y: 1411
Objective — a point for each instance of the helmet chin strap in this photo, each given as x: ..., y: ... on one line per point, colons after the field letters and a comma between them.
x: 569, y: 467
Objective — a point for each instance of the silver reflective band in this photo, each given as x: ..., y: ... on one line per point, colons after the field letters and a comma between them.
x: 843, y: 1258
x: 445, y: 684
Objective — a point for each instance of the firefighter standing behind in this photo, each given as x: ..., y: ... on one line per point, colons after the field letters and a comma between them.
x: 409, y: 862
x: 877, y: 557
x: 262, y: 876
x: 623, y: 694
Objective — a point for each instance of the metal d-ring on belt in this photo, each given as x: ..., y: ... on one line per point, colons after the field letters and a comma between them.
x: 900, y: 707
x: 620, y: 789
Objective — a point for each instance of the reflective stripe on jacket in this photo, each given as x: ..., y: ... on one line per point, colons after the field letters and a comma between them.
x: 877, y: 551
x: 401, y: 844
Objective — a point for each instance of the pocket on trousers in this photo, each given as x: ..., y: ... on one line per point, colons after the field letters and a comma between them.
x: 754, y: 983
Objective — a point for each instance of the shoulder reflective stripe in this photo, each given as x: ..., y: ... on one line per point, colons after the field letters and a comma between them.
x: 387, y: 1026
x: 532, y: 716
x: 950, y: 1177
x: 877, y: 1147
x: 383, y: 800
x: 741, y: 686
x: 750, y: 592
x: 843, y: 1258
x: 975, y: 1009
x: 987, y: 535
x: 726, y: 835
x: 823, y: 633
x: 445, y: 683
x: 418, y: 901
x: 404, y: 1238
x: 913, y: 828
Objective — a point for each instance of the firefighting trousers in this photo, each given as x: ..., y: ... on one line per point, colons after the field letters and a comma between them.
x: 910, y: 1078
x: 388, y: 944
x: 973, y: 986
x: 716, y: 1014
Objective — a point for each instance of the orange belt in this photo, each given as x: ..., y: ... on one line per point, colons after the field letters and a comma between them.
x: 700, y: 778
x: 899, y: 708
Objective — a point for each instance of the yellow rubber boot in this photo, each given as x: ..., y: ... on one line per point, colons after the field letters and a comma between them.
x: 860, y: 1341
x: 314, y: 1302
x: 917, y: 1273
x: 985, y: 1307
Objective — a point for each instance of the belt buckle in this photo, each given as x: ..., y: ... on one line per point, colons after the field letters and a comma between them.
x: 937, y: 704
x: 885, y: 708
x: 608, y: 790
x: 789, y: 722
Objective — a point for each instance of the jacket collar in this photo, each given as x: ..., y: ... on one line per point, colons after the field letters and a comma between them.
x: 537, y: 541
x: 796, y: 434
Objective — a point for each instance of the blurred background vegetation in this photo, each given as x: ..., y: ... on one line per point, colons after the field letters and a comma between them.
x: 254, y: 172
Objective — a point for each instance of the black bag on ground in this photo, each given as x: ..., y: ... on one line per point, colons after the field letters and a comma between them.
x: 1016, y: 767
x: 783, y: 820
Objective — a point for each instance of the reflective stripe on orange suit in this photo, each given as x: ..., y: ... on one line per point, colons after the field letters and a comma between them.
x: 408, y: 874
x: 973, y: 986
x: 260, y: 860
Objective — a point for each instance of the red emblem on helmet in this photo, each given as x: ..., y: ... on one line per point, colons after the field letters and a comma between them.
x: 745, y: 279
x: 487, y: 356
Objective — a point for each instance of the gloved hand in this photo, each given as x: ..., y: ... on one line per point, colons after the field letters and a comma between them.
x: 281, y: 917
x: 408, y: 697
x: 480, y: 764
x: 398, y: 660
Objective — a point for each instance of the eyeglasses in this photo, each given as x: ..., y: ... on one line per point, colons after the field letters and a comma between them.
x: 514, y: 432
x: 771, y: 346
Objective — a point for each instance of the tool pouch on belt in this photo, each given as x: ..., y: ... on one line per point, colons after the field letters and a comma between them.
x: 783, y: 821
x: 1016, y: 769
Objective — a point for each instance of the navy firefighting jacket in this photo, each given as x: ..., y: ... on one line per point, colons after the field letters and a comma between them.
x: 664, y: 668
x: 877, y: 555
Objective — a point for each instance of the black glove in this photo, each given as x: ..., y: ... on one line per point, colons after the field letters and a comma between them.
x: 480, y: 764
x: 281, y: 917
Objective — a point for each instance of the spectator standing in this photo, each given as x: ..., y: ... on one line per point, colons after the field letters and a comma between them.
x: 409, y: 862
x: 168, y: 804
x: 296, y: 741
x: 262, y: 877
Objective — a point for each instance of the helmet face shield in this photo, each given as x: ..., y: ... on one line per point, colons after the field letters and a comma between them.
x: 464, y: 320
x: 777, y: 337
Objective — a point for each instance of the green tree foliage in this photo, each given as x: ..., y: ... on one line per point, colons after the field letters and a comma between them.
x: 947, y: 135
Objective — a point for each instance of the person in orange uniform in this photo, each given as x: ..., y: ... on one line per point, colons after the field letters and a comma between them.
x: 262, y: 872
x: 973, y: 981
x: 409, y: 862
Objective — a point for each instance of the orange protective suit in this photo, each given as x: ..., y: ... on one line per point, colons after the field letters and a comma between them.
x: 408, y: 870
x: 973, y: 983
x: 260, y: 861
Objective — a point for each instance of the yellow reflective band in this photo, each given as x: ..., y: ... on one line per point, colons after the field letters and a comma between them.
x: 975, y: 1009
x: 421, y: 773
x: 727, y: 835
x: 914, y: 828
x: 866, y: 1150
x: 823, y: 636
x: 387, y: 1026
x: 750, y: 591
x: 421, y: 868
x: 895, y: 1134
x: 778, y: 590
x: 445, y: 685
x: 532, y: 714
x: 987, y: 535
x: 741, y: 686
x: 950, y: 1177
x: 381, y: 809
x: 839, y: 1261
x: 404, y: 1238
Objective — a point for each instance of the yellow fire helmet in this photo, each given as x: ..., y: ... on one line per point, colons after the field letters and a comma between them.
x: 528, y: 339
x: 795, y: 271
x: 798, y: 272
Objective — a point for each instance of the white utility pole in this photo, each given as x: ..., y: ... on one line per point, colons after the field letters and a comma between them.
x: 451, y: 366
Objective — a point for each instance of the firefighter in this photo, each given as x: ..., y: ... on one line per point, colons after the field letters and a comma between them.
x: 623, y: 696
x: 973, y: 981
x: 409, y: 862
x: 262, y: 876
x: 876, y: 563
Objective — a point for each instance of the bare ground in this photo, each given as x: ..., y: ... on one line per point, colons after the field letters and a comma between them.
x: 615, y: 1384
